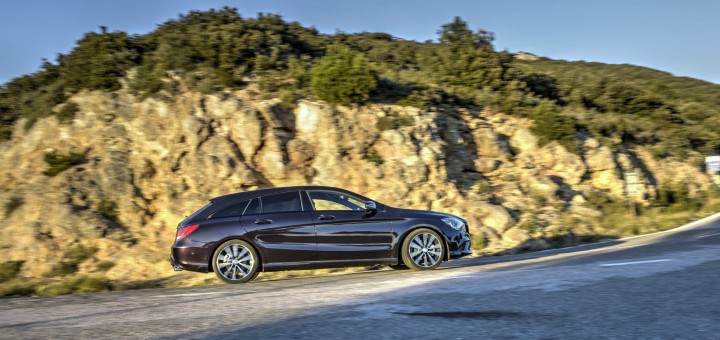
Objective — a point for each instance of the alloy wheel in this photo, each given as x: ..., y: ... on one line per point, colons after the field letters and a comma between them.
x: 235, y: 262
x: 425, y: 250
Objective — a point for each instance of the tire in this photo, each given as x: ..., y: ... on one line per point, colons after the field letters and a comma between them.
x: 235, y: 261
x: 423, y: 249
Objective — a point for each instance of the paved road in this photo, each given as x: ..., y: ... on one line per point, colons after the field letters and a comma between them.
x: 660, y: 286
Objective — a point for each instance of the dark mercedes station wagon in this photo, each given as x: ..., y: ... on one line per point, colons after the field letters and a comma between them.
x: 239, y: 235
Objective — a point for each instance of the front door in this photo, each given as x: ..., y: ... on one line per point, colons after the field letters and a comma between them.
x: 345, y: 231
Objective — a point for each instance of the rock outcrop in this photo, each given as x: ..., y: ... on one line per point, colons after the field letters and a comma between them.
x: 148, y: 163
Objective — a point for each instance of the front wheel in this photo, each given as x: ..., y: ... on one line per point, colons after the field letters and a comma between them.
x: 235, y: 261
x: 423, y: 249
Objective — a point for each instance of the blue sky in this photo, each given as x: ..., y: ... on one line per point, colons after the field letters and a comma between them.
x: 680, y: 37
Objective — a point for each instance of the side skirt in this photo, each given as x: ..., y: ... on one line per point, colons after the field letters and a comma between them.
x: 280, y: 266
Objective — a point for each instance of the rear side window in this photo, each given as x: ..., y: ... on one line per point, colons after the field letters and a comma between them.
x: 195, y: 214
x: 253, y: 208
x: 285, y: 202
x: 231, y: 211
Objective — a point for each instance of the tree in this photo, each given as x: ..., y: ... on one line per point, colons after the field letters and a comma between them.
x: 467, y: 59
x: 458, y: 34
x: 98, y: 61
x: 342, y: 76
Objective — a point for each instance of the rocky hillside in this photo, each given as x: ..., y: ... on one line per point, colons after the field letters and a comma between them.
x: 93, y: 203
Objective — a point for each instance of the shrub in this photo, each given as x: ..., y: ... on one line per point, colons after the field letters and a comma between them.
x: 372, y: 156
x: 59, y: 163
x: 70, y: 260
x: 342, y: 76
x: 385, y: 123
x: 10, y: 269
x: 606, y: 203
x: 68, y: 111
x: 5, y: 132
x: 17, y: 289
x: 83, y: 284
x: 108, y: 209
x: 394, y: 121
x: 480, y: 241
x: 104, y: 266
x: 550, y: 126
x: 677, y: 198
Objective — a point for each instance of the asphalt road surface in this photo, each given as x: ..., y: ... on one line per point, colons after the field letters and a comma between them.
x: 660, y: 286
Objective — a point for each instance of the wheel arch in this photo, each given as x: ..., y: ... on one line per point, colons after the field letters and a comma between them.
x: 261, y: 264
x: 397, y: 253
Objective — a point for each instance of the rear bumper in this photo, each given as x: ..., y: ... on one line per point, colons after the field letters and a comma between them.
x: 174, y: 265
x: 189, y: 258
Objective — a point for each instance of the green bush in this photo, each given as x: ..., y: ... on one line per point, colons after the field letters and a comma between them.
x: 70, y: 260
x: 394, y: 121
x: 17, y: 289
x: 104, y: 266
x: 10, y: 269
x: 59, y: 162
x: 550, y: 126
x: 676, y: 197
x: 108, y: 209
x: 5, y: 132
x: 68, y: 111
x: 604, y: 202
x: 80, y: 285
x: 342, y: 76
x: 423, y: 99
x: 372, y: 156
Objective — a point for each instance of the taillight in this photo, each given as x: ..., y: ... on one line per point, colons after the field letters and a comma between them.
x: 185, y: 231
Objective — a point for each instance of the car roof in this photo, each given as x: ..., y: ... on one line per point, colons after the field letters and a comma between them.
x: 246, y: 195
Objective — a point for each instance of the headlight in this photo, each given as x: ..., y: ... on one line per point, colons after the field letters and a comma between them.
x: 456, y: 223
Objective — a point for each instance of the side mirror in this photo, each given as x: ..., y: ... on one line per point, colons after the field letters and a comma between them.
x: 370, y: 206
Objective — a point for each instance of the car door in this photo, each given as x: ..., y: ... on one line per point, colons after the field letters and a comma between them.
x: 281, y: 229
x: 345, y: 231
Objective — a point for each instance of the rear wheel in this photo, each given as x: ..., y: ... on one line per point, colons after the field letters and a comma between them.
x: 235, y: 261
x: 423, y: 249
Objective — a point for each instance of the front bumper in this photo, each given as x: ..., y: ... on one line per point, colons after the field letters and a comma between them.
x: 463, y: 250
x: 460, y: 245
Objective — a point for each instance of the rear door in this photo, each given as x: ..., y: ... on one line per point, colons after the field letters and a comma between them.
x: 345, y: 231
x: 280, y: 228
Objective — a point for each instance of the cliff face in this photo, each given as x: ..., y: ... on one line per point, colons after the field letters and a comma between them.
x: 155, y: 161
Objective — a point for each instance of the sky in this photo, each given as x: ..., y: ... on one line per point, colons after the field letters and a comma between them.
x: 680, y: 37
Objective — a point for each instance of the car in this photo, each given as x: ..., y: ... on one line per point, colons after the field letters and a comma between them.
x: 237, y: 236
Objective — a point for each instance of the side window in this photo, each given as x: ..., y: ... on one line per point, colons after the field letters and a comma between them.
x: 332, y: 200
x: 253, y: 208
x: 231, y: 211
x: 285, y: 202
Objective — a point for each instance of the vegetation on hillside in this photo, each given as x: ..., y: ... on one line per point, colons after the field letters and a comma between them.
x: 213, y: 50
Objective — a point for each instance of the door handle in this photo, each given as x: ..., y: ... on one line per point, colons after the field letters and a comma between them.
x: 263, y: 221
x: 326, y: 217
